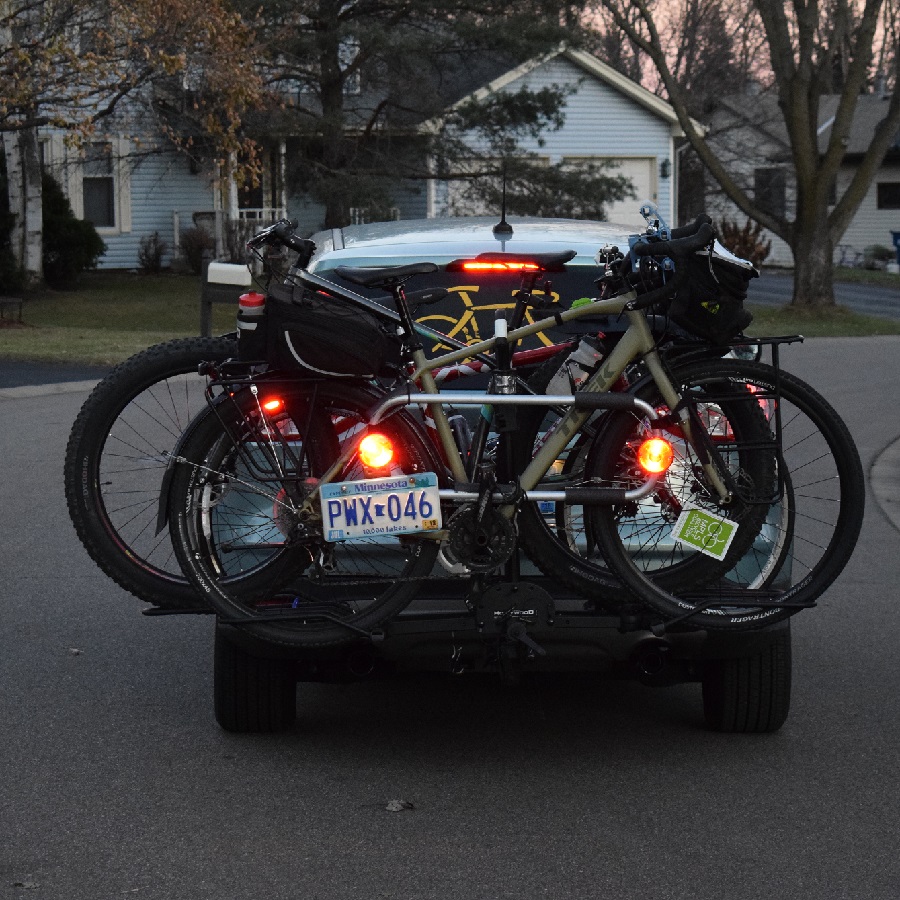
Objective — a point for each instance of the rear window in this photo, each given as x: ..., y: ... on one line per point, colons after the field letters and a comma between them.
x: 468, y: 313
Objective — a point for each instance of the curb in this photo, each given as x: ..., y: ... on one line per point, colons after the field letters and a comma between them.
x: 45, y: 390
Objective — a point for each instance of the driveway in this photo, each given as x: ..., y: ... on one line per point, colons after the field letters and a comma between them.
x: 117, y: 782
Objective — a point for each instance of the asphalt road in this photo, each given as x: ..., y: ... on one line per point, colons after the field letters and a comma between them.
x: 776, y: 289
x: 117, y: 782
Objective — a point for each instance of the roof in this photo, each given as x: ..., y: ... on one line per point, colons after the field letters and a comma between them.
x: 443, y: 240
x: 592, y: 66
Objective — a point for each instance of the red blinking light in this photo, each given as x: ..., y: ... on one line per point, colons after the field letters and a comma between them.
x: 376, y: 450
x: 655, y: 455
x: 272, y: 405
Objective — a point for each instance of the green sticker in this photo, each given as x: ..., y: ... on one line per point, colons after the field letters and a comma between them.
x: 706, y: 532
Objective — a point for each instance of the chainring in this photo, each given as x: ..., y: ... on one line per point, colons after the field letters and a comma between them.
x: 480, y: 547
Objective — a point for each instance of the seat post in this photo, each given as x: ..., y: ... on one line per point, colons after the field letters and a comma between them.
x: 413, y: 340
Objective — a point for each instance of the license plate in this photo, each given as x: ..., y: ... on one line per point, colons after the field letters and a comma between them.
x: 405, y: 504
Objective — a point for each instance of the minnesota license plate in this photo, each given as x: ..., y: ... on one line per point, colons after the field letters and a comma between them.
x: 405, y: 504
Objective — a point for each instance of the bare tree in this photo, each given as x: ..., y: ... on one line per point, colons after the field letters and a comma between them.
x: 812, y: 48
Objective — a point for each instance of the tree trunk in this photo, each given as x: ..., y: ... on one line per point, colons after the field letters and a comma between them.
x: 23, y: 170
x: 813, y: 268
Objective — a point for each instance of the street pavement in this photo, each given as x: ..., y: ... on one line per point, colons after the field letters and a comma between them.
x: 117, y: 782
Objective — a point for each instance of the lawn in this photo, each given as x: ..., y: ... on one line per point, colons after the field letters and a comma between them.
x: 113, y: 315
x: 109, y: 318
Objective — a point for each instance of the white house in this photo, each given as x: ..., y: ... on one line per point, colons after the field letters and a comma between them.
x: 608, y: 117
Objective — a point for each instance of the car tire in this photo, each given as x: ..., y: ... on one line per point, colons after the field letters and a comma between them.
x: 252, y: 694
x: 750, y: 694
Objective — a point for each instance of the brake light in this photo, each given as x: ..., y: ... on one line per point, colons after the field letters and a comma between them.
x: 655, y: 455
x: 376, y: 450
x: 512, y: 266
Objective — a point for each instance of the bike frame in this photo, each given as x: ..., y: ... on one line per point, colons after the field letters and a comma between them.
x: 636, y: 342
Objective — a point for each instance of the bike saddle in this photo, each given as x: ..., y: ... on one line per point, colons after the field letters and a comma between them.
x: 383, y: 276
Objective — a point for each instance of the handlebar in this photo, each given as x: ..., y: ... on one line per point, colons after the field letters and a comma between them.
x: 282, y: 232
x: 693, y: 228
x: 679, y: 246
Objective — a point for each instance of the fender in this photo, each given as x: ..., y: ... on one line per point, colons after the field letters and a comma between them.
x: 162, y: 513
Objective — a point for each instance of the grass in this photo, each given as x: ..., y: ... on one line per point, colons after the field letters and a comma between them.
x: 109, y: 318
x: 837, y: 322
x: 113, y: 315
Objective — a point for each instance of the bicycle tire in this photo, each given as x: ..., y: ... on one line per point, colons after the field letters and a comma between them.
x: 235, y: 534
x: 562, y: 540
x: 824, y: 492
x: 115, y: 460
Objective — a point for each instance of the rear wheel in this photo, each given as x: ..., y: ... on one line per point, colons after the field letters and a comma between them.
x: 116, y: 457
x: 804, y: 539
x: 251, y: 694
x: 750, y: 695
x: 247, y: 527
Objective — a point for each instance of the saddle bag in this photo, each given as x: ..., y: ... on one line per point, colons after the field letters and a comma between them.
x: 328, y: 335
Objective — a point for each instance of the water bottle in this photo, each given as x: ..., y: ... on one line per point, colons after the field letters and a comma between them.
x: 577, y: 367
x: 251, y: 327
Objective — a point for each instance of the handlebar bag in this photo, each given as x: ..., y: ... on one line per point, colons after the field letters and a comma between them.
x: 710, y: 305
x: 327, y: 335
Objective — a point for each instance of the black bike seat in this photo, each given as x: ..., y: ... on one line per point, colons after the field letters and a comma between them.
x: 385, y: 275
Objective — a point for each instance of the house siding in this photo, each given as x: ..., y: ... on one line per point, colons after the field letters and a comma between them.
x: 870, y: 225
x: 600, y: 121
x: 160, y: 186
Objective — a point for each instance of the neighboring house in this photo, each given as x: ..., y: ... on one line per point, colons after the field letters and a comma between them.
x: 132, y: 188
x: 749, y: 136
x: 608, y: 117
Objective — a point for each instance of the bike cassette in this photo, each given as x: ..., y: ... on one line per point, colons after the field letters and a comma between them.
x: 480, y: 546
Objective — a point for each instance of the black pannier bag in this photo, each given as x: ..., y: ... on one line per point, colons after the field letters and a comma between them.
x: 711, y: 304
x: 328, y: 335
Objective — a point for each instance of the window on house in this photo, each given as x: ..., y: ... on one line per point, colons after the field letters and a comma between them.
x: 98, y: 186
x: 888, y: 194
x: 770, y: 190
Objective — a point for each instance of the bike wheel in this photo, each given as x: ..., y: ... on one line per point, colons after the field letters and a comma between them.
x: 116, y: 457
x: 235, y: 515
x: 562, y: 537
x: 806, y: 536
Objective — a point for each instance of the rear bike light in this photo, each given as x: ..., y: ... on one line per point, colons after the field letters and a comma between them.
x: 376, y: 450
x: 272, y: 405
x: 655, y: 455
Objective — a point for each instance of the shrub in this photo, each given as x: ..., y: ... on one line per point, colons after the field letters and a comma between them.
x: 746, y: 242
x: 71, y: 246
x: 877, y: 256
x: 194, y: 242
x: 151, y: 252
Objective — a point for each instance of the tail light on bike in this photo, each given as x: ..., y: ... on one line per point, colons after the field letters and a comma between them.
x: 376, y: 450
x: 655, y: 455
x: 273, y: 405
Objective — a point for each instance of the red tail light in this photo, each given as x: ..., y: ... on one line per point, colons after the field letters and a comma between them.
x: 655, y: 455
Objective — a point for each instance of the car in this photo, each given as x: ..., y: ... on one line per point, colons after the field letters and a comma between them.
x: 468, y: 313
x: 745, y: 677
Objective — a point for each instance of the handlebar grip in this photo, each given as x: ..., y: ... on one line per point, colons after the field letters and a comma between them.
x: 693, y: 228
x: 662, y: 293
x: 679, y: 246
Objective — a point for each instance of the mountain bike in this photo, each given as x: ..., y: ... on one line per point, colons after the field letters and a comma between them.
x: 289, y: 529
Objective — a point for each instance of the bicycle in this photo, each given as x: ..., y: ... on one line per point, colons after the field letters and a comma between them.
x: 274, y: 566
